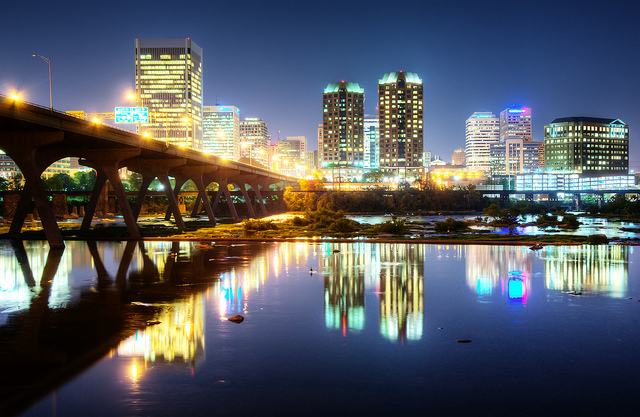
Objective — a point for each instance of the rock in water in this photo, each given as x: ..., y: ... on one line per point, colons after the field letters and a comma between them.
x: 236, y: 319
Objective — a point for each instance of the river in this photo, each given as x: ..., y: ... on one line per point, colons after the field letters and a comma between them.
x: 329, y: 329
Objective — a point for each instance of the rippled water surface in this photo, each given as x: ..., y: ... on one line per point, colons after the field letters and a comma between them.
x: 346, y: 329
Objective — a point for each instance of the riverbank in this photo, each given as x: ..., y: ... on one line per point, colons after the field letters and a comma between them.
x: 156, y: 229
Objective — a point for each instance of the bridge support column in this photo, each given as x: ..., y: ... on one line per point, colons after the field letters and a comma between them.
x: 247, y: 200
x: 22, y: 148
x: 142, y: 192
x: 256, y: 187
x: 157, y: 168
x: 173, y: 201
x: 223, y: 186
x: 89, y: 211
x: 21, y: 212
x: 196, y: 173
x: 108, y: 161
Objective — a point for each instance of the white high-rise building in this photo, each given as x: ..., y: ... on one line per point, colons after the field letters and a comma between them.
x: 169, y: 84
x: 254, y: 140
x: 221, y: 131
x: 482, y: 129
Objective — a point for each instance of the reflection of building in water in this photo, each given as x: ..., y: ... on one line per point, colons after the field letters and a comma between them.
x: 401, y: 290
x: 179, y: 335
x: 598, y: 268
x: 507, y: 268
x: 344, y: 286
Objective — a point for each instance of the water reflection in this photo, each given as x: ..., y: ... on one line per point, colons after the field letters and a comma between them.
x: 174, y: 286
x: 600, y: 269
x: 506, y: 269
x: 177, y: 334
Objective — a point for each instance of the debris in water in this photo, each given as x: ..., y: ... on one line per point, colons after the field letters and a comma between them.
x: 236, y: 319
x: 463, y: 341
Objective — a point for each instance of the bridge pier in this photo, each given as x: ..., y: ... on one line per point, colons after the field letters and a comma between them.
x: 108, y: 162
x: 22, y: 147
x: 195, y: 173
x: 89, y: 211
x: 156, y: 168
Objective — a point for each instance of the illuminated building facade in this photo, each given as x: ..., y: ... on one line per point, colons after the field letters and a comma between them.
x: 400, y: 113
x: 291, y: 155
x: 515, y: 122
x: 458, y: 157
x: 515, y: 156
x: 588, y: 145
x: 342, y: 148
x: 221, y: 131
x: 482, y: 129
x: 371, y: 143
x: 572, y: 182
x: 8, y: 168
x: 254, y: 139
x: 169, y: 83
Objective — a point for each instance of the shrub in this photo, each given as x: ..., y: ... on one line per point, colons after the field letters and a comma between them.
x: 450, y: 226
x: 598, y: 240
x: 258, y: 225
x: 343, y: 225
x: 395, y: 226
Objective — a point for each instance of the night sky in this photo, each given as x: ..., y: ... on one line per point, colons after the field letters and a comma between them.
x: 272, y: 59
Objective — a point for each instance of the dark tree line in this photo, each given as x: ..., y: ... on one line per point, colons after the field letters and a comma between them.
x: 386, y: 201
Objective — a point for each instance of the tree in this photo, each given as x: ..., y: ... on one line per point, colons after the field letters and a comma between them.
x: 17, y: 182
x: 60, y: 182
x: 134, y: 182
x: 5, y: 184
x: 84, y: 180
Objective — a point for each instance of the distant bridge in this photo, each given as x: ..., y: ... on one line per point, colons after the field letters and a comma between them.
x: 35, y: 137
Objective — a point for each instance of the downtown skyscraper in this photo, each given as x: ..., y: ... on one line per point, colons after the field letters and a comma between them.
x: 482, y: 129
x: 515, y: 122
x: 169, y: 84
x: 221, y: 131
x: 254, y: 139
x: 401, y: 128
x: 342, y: 148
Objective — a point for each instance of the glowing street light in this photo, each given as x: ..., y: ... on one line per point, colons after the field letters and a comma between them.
x: 48, y: 61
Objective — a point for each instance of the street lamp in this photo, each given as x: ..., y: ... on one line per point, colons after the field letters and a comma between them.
x: 48, y: 61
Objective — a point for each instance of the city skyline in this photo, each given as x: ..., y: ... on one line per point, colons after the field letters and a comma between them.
x: 273, y: 59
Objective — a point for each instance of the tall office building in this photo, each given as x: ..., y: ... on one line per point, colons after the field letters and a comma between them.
x: 343, y: 131
x: 515, y: 122
x: 482, y: 129
x: 291, y: 154
x: 515, y: 156
x: 401, y: 125
x: 221, y: 131
x: 590, y: 146
x: 169, y: 84
x: 371, y: 143
x: 254, y: 140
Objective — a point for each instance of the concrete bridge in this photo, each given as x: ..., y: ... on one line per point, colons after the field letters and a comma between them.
x: 35, y: 137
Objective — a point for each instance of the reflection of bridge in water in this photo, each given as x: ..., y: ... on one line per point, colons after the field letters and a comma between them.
x: 57, y: 323
x: 35, y: 137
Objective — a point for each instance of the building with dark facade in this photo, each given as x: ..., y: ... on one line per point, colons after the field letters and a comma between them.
x: 342, y: 147
x: 589, y: 146
x: 400, y: 114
